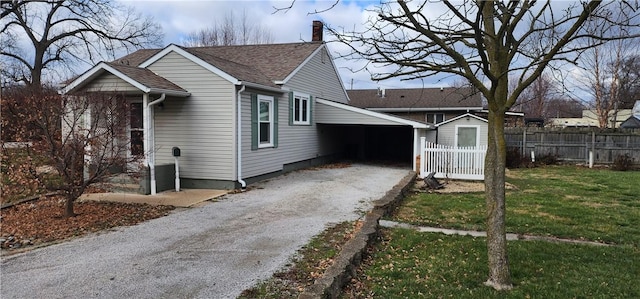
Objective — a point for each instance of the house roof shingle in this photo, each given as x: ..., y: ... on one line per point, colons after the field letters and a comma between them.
x: 413, y: 98
x: 261, y: 64
x: 146, y: 77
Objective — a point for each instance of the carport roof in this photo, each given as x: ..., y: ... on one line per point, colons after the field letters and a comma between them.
x: 329, y: 112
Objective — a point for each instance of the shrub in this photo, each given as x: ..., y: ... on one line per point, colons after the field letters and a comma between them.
x: 623, y: 162
x: 547, y: 159
x: 514, y: 158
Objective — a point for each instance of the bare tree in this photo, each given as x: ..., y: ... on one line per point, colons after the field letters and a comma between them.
x: 61, y: 33
x: 484, y: 42
x: 535, y: 100
x: 629, y: 85
x: 603, y: 68
x: 230, y: 31
x: 82, y: 138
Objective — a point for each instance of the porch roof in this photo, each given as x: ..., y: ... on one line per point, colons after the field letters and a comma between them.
x: 328, y: 112
x: 142, y: 79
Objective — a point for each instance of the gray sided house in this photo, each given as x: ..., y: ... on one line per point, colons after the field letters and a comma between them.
x: 240, y: 113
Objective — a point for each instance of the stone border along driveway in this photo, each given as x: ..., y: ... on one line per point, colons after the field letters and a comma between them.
x: 216, y: 250
x: 338, y: 275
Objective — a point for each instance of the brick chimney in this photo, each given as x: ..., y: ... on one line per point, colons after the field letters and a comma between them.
x: 316, y: 33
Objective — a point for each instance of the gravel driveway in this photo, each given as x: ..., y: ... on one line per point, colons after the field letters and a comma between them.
x: 213, y: 251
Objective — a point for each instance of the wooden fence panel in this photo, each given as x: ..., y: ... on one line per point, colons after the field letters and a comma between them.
x: 574, y: 145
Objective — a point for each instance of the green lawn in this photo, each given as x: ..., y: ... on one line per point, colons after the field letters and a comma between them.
x: 561, y: 201
x: 409, y: 264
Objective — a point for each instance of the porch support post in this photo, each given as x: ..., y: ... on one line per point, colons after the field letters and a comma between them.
x: 149, y: 152
x: 145, y: 127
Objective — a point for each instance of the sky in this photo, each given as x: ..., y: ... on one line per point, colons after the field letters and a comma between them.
x: 179, y: 18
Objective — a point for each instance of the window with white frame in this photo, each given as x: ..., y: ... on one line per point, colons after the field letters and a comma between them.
x: 435, y: 118
x: 265, y: 121
x: 300, y: 109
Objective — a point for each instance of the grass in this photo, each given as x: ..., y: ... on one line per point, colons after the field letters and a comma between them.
x: 561, y: 201
x: 309, y: 264
x: 409, y: 264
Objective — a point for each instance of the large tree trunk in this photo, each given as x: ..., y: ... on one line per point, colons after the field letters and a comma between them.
x: 494, y: 181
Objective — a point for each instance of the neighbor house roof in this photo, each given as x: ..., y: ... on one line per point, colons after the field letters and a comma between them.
x: 416, y: 99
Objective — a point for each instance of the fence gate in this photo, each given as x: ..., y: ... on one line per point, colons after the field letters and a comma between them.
x: 465, y: 163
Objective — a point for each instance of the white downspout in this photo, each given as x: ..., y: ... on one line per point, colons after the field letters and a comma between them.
x: 151, y: 145
x: 243, y: 184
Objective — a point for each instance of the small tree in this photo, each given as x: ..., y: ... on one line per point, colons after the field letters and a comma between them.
x: 83, y: 138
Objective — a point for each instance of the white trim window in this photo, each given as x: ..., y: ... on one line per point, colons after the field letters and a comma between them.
x: 300, y: 109
x: 467, y: 136
x: 265, y: 121
x: 435, y: 118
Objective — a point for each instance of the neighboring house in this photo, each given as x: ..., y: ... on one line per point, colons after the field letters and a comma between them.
x: 590, y: 119
x: 244, y: 113
x: 633, y: 122
x: 431, y: 105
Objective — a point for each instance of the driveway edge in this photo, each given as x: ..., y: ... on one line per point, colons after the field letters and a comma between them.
x: 347, y: 261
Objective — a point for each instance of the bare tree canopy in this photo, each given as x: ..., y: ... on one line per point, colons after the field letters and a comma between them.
x: 41, y: 37
x: 488, y: 43
x: 604, y: 71
x: 231, y: 30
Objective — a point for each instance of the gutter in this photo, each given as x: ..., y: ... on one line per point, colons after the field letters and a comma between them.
x: 152, y: 161
x: 243, y: 184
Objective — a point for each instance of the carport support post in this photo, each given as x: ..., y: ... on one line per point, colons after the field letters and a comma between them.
x: 416, y: 147
x: 423, y: 143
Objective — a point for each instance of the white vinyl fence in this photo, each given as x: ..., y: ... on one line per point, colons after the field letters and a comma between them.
x: 464, y: 163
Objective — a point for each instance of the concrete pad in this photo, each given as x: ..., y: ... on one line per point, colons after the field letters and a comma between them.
x: 184, y: 198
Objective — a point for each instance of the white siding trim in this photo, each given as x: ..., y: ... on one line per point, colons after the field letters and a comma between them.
x: 462, y: 116
x: 400, y: 121
x: 101, y: 67
x: 96, y: 71
x: 173, y: 48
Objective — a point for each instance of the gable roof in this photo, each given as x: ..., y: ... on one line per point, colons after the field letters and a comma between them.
x: 417, y: 99
x: 633, y: 122
x: 263, y: 64
x: 142, y: 79
x: 266, y: 65
x: 462, y: 116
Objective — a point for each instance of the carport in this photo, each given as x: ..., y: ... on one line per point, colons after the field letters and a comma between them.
x: 371, y: 136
